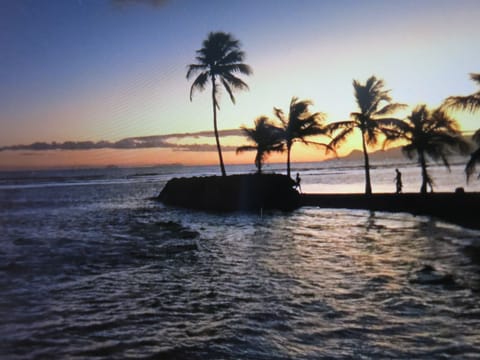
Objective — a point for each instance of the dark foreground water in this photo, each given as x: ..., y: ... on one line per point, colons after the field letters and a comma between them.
x: 90, y: 268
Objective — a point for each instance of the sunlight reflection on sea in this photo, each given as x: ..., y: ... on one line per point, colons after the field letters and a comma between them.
x: 99, y: 270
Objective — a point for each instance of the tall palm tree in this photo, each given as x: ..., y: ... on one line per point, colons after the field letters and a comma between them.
x: 267, y: 138
x: 470, y: 103
x: 431, y: 134
x: 218, y: 62
x: 300, y: 124
x: 375, y: 105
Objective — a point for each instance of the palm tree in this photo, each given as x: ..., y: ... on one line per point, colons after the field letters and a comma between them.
x: 371, y: 119
x: 218, y: 62
x: 300, y: 124
x: 474, y: 157
x: 470, y: 103
x: 431, y: 134
x: 267, y: 138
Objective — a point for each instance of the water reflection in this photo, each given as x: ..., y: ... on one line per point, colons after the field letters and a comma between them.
x: 131, y: 278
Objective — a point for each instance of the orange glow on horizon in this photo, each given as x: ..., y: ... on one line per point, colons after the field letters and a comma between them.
x: 17, y: 160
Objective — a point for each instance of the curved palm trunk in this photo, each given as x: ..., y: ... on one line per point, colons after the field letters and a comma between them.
x: 425, y: 177
x: 289, y: 147
x: 217, y: 139
x: 368, y: 184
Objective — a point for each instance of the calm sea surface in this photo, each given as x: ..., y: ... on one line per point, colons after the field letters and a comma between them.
x: 91, y: 268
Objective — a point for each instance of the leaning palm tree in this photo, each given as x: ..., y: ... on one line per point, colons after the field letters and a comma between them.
x: 470, y: 103
x: 375, y: 105
x: 300, y: 124
x: 218, y: 62
x: 429, y: 134
x: 266, y: 137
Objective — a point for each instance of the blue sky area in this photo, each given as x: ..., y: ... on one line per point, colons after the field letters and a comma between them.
x: 105, y: 70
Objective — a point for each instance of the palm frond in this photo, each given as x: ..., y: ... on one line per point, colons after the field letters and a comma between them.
x: 393, y: 123
x: 199, y: 83
x: 475, y: 77
x: 332, y: 127
x: 340, y: 138
x: 327, y: 147
x: 244, y: 148
x: 195, y: 68
x: 389, y: 109
x: 371, y: 135
x: 280, y: 115
x: 236, y: 68
x: 229, y: 90
x: 470, y: 167
x: 234, y: 81
x: 469, y: 103
x: 233, y: 56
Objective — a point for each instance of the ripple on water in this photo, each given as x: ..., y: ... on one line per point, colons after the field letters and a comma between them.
x: 141, y: 280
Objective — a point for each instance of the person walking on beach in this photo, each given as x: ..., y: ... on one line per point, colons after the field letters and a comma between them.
x: 298, y: 180
x: 398, y: 181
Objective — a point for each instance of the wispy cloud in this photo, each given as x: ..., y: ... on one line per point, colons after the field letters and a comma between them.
x: 155, y: 141
x: 156, y: 3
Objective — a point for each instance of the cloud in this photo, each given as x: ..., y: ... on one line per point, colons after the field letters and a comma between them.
x: 203, y: 147
x: 155, y: 3
x: 32, y: 154
x: 155, y: 141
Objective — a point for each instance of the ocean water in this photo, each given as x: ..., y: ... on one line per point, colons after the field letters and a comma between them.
x: 91, y: 267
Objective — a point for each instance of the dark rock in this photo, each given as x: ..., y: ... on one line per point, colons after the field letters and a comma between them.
x: 232, y: 193
x: 428, y: 275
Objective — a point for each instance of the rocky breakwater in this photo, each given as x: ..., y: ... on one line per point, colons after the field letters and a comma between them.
x: 251, y: 192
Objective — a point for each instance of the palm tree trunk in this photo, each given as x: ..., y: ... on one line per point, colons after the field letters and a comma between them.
x: 368, y: 184
x: 217, y: 139
x: 289, y: 147
x: 423, y: 165
x: 258, y: 162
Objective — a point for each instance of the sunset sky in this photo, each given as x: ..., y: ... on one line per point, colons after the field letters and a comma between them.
x: 91, y: 70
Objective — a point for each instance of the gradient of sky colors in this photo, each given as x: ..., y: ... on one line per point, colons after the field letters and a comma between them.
x: 77, y: 70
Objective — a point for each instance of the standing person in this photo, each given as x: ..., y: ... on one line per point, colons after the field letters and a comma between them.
x: 298, y: 180
x: 398, y: 181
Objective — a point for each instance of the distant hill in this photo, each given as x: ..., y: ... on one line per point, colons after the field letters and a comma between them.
x: 379, y: 155
x: 394, y: 154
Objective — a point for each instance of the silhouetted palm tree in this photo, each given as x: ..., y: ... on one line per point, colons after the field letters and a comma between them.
x: 428, y: 133
x: 474, y: 157
x: 267, y: 138
x: 218, y: 62
x: 370, y: 120
x: 470, y: 103
x: 300, y: 124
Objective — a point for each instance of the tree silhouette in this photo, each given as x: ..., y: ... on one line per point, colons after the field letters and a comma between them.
x: 371, y: 120
x: 267, y: 138
x: 470, y: 103
x: 474, y: 157
x: 218, y: 62
x: 300, y: 124
x: 430, y: 134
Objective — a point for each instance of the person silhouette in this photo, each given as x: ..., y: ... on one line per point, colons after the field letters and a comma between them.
x: 298, y: 180
x: 398, y: 181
